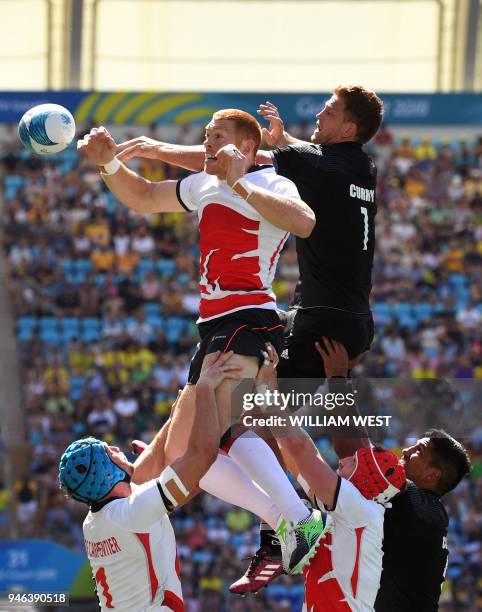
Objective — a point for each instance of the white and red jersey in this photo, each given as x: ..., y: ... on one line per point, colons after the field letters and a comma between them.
x: 239, y: 248
x: 131, y: 547
x: 345, y: 573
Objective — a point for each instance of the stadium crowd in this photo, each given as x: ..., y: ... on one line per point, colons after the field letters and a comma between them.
x: 106, y: 303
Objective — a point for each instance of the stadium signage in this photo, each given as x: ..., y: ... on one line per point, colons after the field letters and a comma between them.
x: 120, y: 108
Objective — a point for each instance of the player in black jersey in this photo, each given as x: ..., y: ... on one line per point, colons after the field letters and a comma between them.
x: 337, y: 179
x: 415, y: 550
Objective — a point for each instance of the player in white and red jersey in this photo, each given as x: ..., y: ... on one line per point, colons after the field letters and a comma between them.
x: 245, y: 213
x: 345, y: 573
x: 129, y: 539
x: 239, y: 247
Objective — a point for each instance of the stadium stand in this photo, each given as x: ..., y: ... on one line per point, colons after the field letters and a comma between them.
x: 106, y: 300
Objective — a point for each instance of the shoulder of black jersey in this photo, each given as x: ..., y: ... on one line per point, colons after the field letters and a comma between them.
x: 426, y: 506
x: 297, y: 147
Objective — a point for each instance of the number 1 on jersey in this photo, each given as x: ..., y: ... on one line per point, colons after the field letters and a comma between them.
x: 364, y: 212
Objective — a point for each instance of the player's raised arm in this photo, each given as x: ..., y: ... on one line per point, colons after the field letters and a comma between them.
x: 335, y: 360
x: 189, y: 157
x: 275, y: 135
x: 285, y: 209
x: 138, y: 194
x: 183, y: 475
x: 298, y: 448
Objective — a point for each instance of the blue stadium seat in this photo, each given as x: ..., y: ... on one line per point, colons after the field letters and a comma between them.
x: 76, y: 278
x: 457, y: 280
x: 67, y: 265
x: 83, y: 266
x: 91, y: 324
x: 401, y: 309
x: 69, y: 323
x: 381, y: 308
x: 50, y: 336
x: 423, y: 311
x: 145, y: 265
x: 152, y: 308
x: 26, y: 322
x: 174, y: 328
x: 48, y: 323
x: 89, y: 335
x: 155, y: 320
x: 69, y: 334
x: 166, y: 267
x: 408, y: 320
x: 24, y: 334
x: 77, y: 384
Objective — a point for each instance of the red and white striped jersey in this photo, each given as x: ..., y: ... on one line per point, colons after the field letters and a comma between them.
x: 131, y: 547
x: 345, y: 573
x: 239, y: 248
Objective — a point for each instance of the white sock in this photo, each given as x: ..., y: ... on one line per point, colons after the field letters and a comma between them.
x: 226, y: 480
x: 259, y: 462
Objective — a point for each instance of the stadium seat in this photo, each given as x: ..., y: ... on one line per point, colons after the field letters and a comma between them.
x: 50, y: 336
x: 423, y: 311
x: 166, y: 267
x: 401, y: 309
x: 24, y: 334
x: 69, y: 323
x: 47, y: 323
x: 156, y: 321
x: 145, y: 265
x: 91, y: 325
x: 175, y: 326
x: 89, y: 335
x: 26, y: 322
x: 152, y: 308
x: 77, y: 384
x: 83, y: 266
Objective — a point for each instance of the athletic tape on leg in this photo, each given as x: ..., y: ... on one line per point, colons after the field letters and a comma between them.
x: 167, y: 475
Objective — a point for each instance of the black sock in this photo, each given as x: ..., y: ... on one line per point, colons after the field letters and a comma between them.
x: 267, y: 536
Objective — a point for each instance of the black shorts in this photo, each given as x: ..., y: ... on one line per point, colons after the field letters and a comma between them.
x: 300, y: 359
x: 245, y: 332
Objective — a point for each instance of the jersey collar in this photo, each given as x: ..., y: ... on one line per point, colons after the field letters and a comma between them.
x: 255, y: 168
x: 96, y: 506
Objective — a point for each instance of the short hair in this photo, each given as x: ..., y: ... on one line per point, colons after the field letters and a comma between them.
x: 246, y: 124
x: 448, y: 456
x: 364, y: 108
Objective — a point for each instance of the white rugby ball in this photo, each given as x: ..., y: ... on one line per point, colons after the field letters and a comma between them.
x: 47, y: 129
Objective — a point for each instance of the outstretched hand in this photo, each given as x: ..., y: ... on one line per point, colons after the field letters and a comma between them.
x: 335, y: 358
x: 218, y: 367
x: 97, y: 146
x: 274, y: 134
x: 138, y: 147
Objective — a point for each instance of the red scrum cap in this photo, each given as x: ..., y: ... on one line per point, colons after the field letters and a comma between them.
x: 378, y: 474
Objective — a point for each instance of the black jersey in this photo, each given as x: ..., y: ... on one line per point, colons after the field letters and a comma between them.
x: 338, y: 182
x: 414, y: 552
